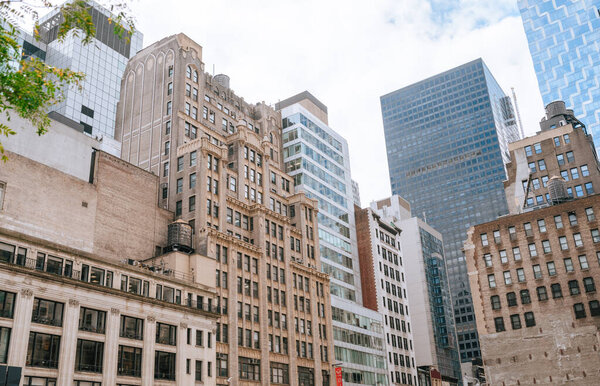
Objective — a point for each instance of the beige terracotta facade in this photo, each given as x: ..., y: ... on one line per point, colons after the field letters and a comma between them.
x: 219, y: 162
x: 534, y: 278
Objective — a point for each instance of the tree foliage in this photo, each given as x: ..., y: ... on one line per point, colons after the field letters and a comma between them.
x: 28, y: 86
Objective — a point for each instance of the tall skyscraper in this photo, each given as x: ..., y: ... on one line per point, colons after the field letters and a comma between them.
x: 220, y: 167
x: 564, y: 41
x: 447, y: 141
x: 432, y: 317
x: 318, y: 160
x: 102, y: 61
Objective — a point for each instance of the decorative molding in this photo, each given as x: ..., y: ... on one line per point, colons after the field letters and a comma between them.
x: 27, y: 292
x: 183, y: 325
x: 115, y: 311
x: 151, y: 318
x: 74, y: 302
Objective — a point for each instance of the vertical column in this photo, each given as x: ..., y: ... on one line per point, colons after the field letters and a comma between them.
x: 19, y: 335
x: 111, y: 347
x: 148, y: 351
x: 180, y: 356
x: 68, y: 342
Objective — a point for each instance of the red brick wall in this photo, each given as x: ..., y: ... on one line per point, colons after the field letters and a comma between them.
x: 367, y: 275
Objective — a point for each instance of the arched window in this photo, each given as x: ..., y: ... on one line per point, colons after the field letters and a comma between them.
x: 188, y: 72
x: 195, y: 76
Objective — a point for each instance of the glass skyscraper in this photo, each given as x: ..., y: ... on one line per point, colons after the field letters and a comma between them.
x: 318, y: 159
x: 446, y: 140
x: 564, y: 41
x: 102, y: 61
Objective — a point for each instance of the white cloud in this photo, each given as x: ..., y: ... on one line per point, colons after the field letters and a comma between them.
x: 349, y: 53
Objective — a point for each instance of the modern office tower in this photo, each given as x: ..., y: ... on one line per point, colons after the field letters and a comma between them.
x: 73, y: 310
x: 533, y: 277
x: 102, y: 61
x: 430, y: 302
x: 317, y: 159
x: 564, y: 42
x: 384, y: 287
x: 447, y: 141
x: 220, y: 167
x: 562, y: 148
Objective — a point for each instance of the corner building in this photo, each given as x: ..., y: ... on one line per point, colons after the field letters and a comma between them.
x: 447, y: 141
x: 219, y: 160
x: 534, y: 278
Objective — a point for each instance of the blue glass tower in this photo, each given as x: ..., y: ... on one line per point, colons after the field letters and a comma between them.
x: 446, y: 140
x: 564, y: 41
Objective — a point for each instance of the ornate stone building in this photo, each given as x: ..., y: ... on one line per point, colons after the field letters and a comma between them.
x: 219, y: 161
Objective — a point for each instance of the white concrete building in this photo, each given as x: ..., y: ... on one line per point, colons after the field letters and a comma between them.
x: 385, y: 291
x: 434, y: 333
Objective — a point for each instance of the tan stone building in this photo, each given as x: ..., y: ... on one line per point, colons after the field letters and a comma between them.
x: 77, y: 307
x: 562, y: 148
x: 533, y: 277
x: 219, y: 161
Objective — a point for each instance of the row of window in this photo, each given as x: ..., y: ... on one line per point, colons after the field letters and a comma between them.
x: 515, y: 321
x: 579, y: 192
x: 397, y: 324
x: 535, y: 182
x: 542, y: 226
x: 385, y: 238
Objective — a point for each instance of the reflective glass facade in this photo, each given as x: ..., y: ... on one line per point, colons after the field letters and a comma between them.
x: 564, y: 41
x: 318, y: 160
x: 102, y: 61
x: 446, y: 140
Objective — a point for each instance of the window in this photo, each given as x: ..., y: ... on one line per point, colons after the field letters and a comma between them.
x: 249, y: 369
x: 499, y: 323
x: 164, y: 365
x: 169, y: 107
x: 528, y: 151
x: 129, y: 361
x: 47, y: 312
x: 564, y: 245
x: 512, y: 231
x: 541, y: 225
x: 537, y: 271
x: 89, y: 356
x: 167, y: 127
x: 542, y: 294
x: 528, y: 229
x: 165, y: 169
x: 507, y: 278
x: 92, y: 320
x: 532, y: 167
x: 497, y: 238
x: 578, y: 190
x: 589, y: 213
x: 511, y: 299
x: 568, y: 264
x: 551, y: 268
x: 4, y: 341
x: 579, y: 310
x: 525, y: 298
x: 198, y: 372
x: 556, y: 291
x: 517, y: 253
x: 583, y: 263
x: 577, y: 239
x: 570, y: 157
x: 560, y: 158
x: 280, y: 373
x: 188, y: 72
x: 558, y: 222
x: 170, y: 88
x: 222, y: 365
x: 588, y: 284
x: 193, y: 160
x: 585, y: 172
x: 492, y: 281
x: 546, y: 246
x: 557, y: 141
x: 515, y: 321
x: 532, y: 250
x: 178, y: 208
x: 529, y: 319
x: 594, y: 308
x: 7, y: 304
x: 520, y: 275
x: 495, y: 301
x: 192, y: 203
x: 131, y: 328
x: 589, y: 188
x: 503, y: 257
x: 542, y: 164
x: 487, y: 258
x: 166, y: 334
x: 544, y: 181
x: 484, y: 239
x: 574, y: 287
x: 179, y: 185
x: 43, y: 350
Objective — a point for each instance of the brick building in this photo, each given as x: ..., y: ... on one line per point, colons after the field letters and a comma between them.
x: 562, y: 148
x: 219, y: 162
x: 534, y: 277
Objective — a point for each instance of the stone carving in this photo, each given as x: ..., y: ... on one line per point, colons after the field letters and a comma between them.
x: 151, y: 318
x: 115, y: 311
x: 27, y: 292
x: 183, y: 325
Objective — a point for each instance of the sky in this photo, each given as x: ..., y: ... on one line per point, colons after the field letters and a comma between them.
x: 348, y: 53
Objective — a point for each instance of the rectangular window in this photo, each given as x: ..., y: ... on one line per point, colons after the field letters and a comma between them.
x: 529, y: 319
x: 47, y: 312
x: 166, y: 334
x: 558, y: 222
x: 560, y: 158
x: 164, y: 365
x: 570, y: 156
x: 92, y: 320
x: 499, y: 324
x: 492, y: 281
x: 532, y: 250
x: 517, y: 253
x: 579, y: 310
x: 541, y: 165
x: 569, y: 265
x: 537, y: 271
x: 7, y: 304
x: 564, y: 245
x: 507, y: 278
x: 583, y: 262
x: 588, y: 284
x: 515, y: 321
x: 43, y: 350
x: 520, y: 275
x: 585, y: 172
x: 542, y: 293
x: 89, y: 356
x: 4, y: 342
x: 131, y: 328
x: 551, y: 268
x: 129, y: 361
x: 546, y: 246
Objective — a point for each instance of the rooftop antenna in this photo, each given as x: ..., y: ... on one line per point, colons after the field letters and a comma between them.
x: 514, y: 95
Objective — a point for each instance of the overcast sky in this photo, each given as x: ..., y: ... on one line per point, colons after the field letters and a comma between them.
x: 348, y: 53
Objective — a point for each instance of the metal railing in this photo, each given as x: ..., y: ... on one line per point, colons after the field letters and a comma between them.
x: 50, y: 322
x: 94, y: 329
